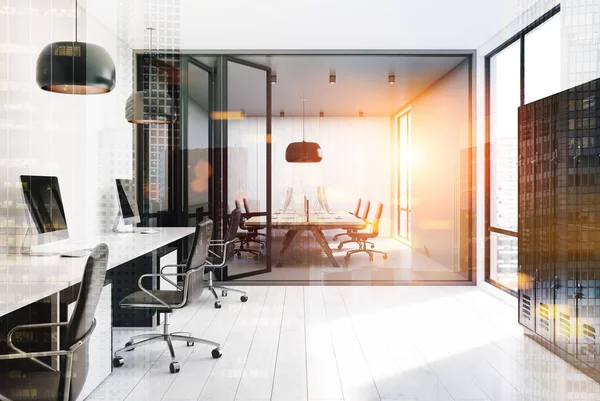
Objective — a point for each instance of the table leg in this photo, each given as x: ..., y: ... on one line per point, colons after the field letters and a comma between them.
x: 325, y: 246
x: 287, y: 240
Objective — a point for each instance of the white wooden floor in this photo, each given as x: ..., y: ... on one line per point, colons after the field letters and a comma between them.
x: 350, y: 343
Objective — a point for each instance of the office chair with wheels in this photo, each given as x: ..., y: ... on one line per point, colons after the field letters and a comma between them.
x: 66, y: 383
x: 225, y: 250
x: 361, y: 238
x: 356, y: 212
x: 167, y: 301
x: 365, y: 216
x: 246, y: 236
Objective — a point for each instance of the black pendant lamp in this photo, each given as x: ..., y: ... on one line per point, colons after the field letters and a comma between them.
x: 140, y: 109
x: 303, y: 152
x: 76, y: 68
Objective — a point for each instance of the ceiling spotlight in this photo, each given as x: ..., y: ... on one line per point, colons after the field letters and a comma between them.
x: 321, y: 113
x: 332, y: 78
x: 273, y: 78
x: 391, y: 79
x: 361, y: 114
x: 282, y: 113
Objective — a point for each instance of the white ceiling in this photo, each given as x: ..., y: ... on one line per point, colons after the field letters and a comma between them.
x: 362, y: 83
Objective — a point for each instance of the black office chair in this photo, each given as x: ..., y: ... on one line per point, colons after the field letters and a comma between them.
x: 166, y: 301
x: 361, y: 238
x: 226, y: 249
x: 254, y: 231
x: 245, y: 237
x: 365, y: 216
x: 66, y: 383
x: 356, y: 212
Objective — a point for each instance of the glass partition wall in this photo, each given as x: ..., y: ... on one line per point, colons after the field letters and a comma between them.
x: 402, y: 140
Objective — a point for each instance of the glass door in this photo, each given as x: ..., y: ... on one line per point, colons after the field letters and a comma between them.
x: 247, y: 162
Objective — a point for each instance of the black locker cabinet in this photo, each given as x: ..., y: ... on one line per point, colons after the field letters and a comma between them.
x: 585, y: 118
x: 544, y: 161
x: 526, y: 275
x: 559, y: 222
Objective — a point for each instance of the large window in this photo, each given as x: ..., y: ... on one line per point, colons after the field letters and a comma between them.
x: 522, y: 70
x: 403, y: 224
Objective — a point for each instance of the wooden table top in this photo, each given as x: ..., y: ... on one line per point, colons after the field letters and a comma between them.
x: 323, y: 221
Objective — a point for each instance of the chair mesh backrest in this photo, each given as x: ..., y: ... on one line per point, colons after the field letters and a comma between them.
x: 246, y: 208
x: 375, y: 229
x: 357, y: 210
x: 366, y: 211
x: 196, y: 260
x: 82, y: 318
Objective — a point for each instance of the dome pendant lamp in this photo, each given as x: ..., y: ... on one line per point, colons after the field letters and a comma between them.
x: 76, y: 68
x: 303, y: 152
x: 137, y: 112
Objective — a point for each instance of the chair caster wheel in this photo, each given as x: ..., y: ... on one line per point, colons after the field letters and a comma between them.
x: 370, y: 259
x: 384, y: 257
x: 174, y: 367
x: 340, y: 246
x: 127, y: 344
x: 190, y: 343
x: 117, y: 361
x: 244, y: 298
x: 224, y: 293
x: 372, y: 246
x: 239, y: 255
x: 255, y: 258
x: 216, y: 353
x: 217, y: 305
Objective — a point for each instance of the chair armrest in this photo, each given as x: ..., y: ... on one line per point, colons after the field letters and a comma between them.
x: 177, y: 265
x: 40, y: 354
x: 161, y: 275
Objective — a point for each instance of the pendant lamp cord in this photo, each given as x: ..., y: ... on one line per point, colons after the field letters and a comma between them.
x: 303, y: 104
x: 75, y: 20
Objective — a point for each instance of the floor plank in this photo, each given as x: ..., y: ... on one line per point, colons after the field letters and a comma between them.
x: 349, y: 343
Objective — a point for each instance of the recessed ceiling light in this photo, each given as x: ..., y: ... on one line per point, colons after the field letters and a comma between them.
x: 391, y: 79
x: 332, y: 78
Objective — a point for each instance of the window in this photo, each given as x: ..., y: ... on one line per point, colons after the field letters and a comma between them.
x: 403, y: 223
x: 522, y: 70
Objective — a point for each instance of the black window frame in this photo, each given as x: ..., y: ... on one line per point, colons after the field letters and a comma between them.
x: 488, y: 58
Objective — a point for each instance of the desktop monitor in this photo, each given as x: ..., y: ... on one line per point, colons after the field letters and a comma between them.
x: 128, y: 211
x: 44, y: 204
x: 320, y: 197
x: 288, y: 198
x: 324, y: 199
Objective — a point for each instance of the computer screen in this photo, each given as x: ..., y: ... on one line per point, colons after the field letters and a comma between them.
x: 128, y: 208
x: 42, y: 196
x: 288, y: 198
x: 324, y: 198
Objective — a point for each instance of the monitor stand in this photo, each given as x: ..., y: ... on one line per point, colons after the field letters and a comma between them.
x: 26, y: 247
x: 119, y: 225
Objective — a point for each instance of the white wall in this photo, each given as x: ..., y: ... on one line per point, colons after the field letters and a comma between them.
x: 440, y: 130
x: 84, y: 140
x: 356, y: 162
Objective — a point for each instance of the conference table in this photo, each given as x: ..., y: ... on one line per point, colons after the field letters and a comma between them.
x: 297, y: 223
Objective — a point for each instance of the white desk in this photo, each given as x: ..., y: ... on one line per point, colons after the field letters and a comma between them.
x: 27, y: 279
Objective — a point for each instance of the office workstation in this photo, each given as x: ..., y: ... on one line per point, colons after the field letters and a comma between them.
x: 231, y: 202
